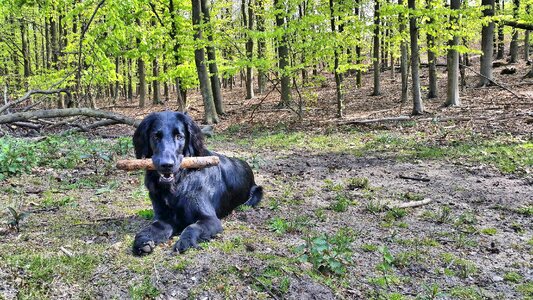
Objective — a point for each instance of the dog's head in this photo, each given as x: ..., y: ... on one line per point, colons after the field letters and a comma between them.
x: 167, y: 137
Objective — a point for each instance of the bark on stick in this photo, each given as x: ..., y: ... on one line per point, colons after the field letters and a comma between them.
x: 187, y: 163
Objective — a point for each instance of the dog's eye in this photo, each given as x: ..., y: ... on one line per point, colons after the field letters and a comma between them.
x: 158, y: 135
x: 178, y: 136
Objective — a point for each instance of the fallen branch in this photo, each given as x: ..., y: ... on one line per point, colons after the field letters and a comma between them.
x: 518, y: 25
x: 407, y: 118
x: 28, y: 95
x: 67, y: 112
x: 187, y: 163
x: 493, y: 82
x: 409, y: 204
x: 414, y: 178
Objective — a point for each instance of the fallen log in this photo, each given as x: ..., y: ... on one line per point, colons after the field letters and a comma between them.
x: 186, y: 163
x: 67, y: 112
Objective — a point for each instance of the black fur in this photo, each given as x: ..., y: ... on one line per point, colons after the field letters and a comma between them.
x: 189, y: 202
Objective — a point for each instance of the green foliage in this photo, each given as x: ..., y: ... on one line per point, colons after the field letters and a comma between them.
x: 147, y: 214
x: 144, y: 290
x: 16, y: 218
x: 328, y: 254
x: 19, y: 155
x: 512, y: 277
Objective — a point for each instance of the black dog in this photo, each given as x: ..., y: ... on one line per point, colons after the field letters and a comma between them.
x: 187, y: 201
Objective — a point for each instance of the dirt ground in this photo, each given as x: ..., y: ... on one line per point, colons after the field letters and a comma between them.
x: 325, y: 183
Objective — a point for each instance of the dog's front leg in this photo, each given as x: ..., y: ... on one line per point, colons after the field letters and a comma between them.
x: 202, y: 230
x: 148, y: 237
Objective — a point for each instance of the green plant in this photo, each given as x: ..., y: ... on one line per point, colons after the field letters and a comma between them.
x: 512, y: 277
x: 357, y: 183
x: 280, y: 226
x: 341, y: 203
x: 17, y: 217
x: 525, y: 210
x: 489, y: 231
x: 327, y: 254
x: 144, y: 290
x: 526, y: 289
x: 147, y: 214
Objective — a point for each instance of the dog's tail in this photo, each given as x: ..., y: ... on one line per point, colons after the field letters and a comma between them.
x: 256, y: 194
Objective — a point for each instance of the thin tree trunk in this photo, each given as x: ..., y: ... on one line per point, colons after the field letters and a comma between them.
x: 117, y: 82
x: 418, y: 109
x: 338, y: 76
x: 513, y: 49
x: 210, y: 114
x: 156, y: 87
x: 141, y: 73
x: 181, y: 93
x: 452, y: 95
x: 283, y: 54
x: 487, y: 33
x: 211, y: 56
x: 359, y: 74
x: 501, y: 36
x: 25, y: 49
x: 261, y: 45
x: 249, y: 49
x: 432, y: 59
x: 404, y: 59
x: 377, y: 85
x: 130, y: 81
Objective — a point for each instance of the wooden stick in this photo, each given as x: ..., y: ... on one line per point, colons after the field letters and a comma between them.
x: 409, y: 204
x: 186, y: 163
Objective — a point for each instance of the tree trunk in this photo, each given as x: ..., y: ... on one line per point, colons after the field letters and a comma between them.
x: 359, y: 74
x: 261, y: 46
x: 47, y: 44
x: 210, y: 114
x: 487, y: 33
x: 338, y: 76
x: 526, y: 37
x: 211, y: 56
x: 452, y: 95
x: 501, y: 36
x: 130, y: 81
x: 166, y: 92
x: 513, y: 49
x: 248, y: 22
x: 418, y: 109
x: 283, y: 54
x: 156, y: 86
x: 404, y: 59
x: 25, y: 49
x: 181, y: 93
x: 377, y: 85
x: 432, y: 59
x: 141, y: 71
x: 117, y: 82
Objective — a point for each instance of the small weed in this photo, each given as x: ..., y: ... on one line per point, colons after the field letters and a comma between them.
x: 16, y: 218
x: 331, y: 186
x: 320, y: 214
x: 357, y: 183
x: 466, y: 218
x: 512, y: 277
x: 328, y: 254
x: 147, y: 214
x: 369, y: 247
x: 410, y: 196
x: 462, y: 267
x: 341, y: 203
x: 51, y: 200
x: 489, y: 231
x: 395, y: 214
x: 526, y: 289
x: 374, y: 206
x: 466, y: 293
x: 144, y: 290
x: 181, y: 265
x: 517, y: 227
x: 526, y: 210
x: 280, y: 226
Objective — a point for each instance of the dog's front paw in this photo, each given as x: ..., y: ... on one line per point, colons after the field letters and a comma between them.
x: 185, y: 243
x: 142, y: 246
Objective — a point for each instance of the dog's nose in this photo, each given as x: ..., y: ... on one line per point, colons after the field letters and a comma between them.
x: 167, y: 165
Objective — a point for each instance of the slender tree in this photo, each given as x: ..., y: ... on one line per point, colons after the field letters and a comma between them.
x: 487, y: 33
x: 404, y: 59
x: 283, y: 54
x: 432, y: 58
x: 418, y: 109
x: 338, y: 75
x: 513, y: 49
x: 377, y: 84
x: 210, y: 113
x: 452, y: 96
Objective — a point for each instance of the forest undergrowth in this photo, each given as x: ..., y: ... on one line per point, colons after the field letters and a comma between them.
x: 325, y: 228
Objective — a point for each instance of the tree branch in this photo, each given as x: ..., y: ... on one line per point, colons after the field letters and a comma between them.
x: 28, y: 95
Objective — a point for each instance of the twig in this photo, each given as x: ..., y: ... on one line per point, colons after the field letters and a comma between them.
x: 28, y: 95
x: 494, y: 82
x: 262, y: 100
x: 409, y: 204
x: 414, y: 178
x: 67, y: 252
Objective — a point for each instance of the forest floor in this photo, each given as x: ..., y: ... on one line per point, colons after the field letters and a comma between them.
x: 325, y: 228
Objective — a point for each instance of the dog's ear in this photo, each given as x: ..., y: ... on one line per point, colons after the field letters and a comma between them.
x: 141, y: 138
x: 194, y: 145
